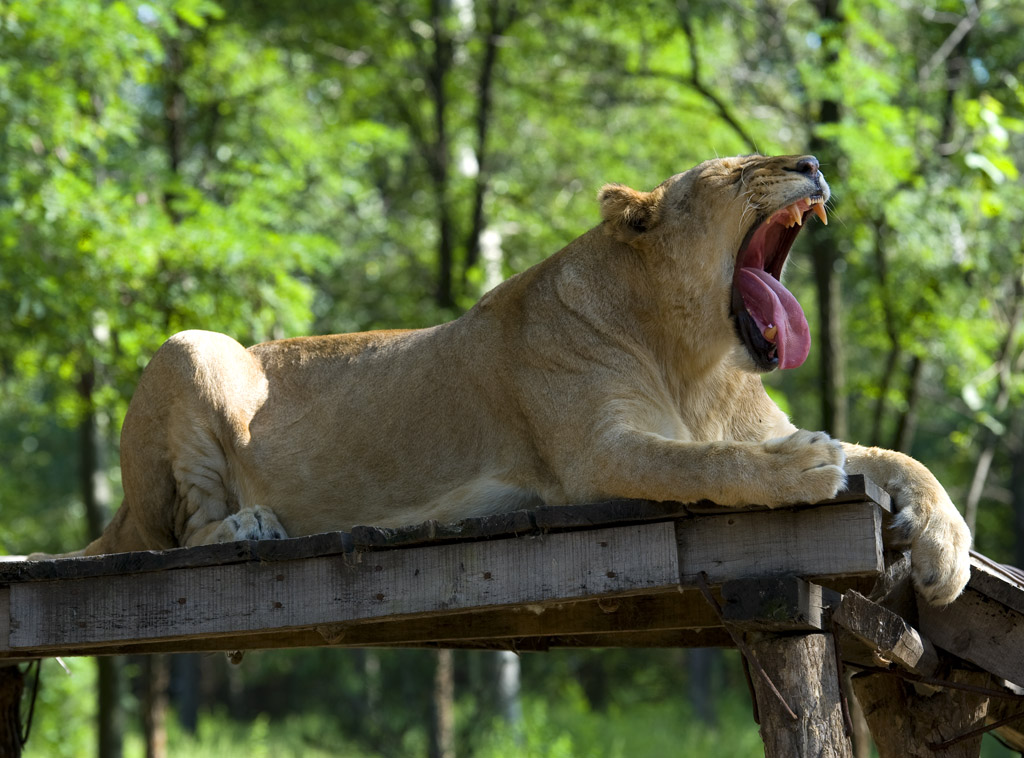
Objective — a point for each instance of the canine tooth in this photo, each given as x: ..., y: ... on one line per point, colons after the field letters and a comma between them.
x: 819, y: 211
x: 770, y: 332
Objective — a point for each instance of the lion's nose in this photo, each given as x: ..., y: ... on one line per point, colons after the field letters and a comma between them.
x: 807, y: 165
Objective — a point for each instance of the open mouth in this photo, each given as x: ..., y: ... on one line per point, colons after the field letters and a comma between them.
x: 768, y: 318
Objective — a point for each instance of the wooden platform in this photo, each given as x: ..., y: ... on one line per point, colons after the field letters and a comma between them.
x: 616, y: 574
x: 611, y: 574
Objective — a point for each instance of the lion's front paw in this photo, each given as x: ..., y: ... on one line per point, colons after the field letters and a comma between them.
x: 939, y: 547
x: 806, y: 467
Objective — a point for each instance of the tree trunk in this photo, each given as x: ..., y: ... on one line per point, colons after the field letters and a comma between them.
x: 110, y: 715
x: 824, y: 258
x: 96, y: 496
x: 155, y: 671
x: 155, y: 679
x: 1004, y: 373
x: 508, y: 684
x: 1016, y: 452
x: 443, y: 732
x: 700, y: 665
x: 439, y: 156
x: 185, y: 675
x: 803, y: 669
x: 907, y: 424
x: 12, y: 683
x: 175, y: 105
x: 892, y: 330
x: 830, y: 366
x: 908, y: 725
x: 497, y: 26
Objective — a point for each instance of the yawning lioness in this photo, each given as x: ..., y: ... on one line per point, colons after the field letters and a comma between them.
x: 625, y: 366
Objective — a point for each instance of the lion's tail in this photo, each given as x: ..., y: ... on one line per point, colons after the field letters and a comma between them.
x: 122, y: 535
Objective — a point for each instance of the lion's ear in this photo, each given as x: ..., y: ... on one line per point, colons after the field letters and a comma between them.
x: 628, y: 211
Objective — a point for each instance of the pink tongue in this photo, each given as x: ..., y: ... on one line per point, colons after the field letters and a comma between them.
x: 768, y: 302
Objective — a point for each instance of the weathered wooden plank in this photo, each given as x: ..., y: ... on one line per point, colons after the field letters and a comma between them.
x: 837, y: 540
x: 303, y: 638
x: 240, y: 598
x: 5, y: 618
x: 650, y: 612
x: 518, y: 523
x: 888, y: 634
x: 668, y: 638
x: 776, y: 604
x: 980, y: 630
x: 243, y: 551
x: 1002, y: 583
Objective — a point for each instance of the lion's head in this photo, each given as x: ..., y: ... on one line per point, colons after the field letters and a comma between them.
x: 729, y: 223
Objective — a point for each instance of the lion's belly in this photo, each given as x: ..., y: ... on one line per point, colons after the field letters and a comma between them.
x: 313, y: 508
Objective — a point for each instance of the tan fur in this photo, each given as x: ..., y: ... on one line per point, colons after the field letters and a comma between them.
x: 612, y: 369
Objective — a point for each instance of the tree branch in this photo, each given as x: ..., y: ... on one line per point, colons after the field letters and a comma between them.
x: 700, y: 87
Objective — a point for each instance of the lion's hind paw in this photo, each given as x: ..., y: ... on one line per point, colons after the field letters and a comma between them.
x: 256, y: 523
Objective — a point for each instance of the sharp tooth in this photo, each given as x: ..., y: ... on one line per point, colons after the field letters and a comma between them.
x: 798, y: 217
x: 770, y: 332
x: 819, y: 211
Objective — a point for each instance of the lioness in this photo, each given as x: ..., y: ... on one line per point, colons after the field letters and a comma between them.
x: 625, y: 366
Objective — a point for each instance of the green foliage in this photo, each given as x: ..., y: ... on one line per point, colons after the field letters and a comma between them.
x: 563, y: 725
x: 270, y: 170
x: 62, y: 724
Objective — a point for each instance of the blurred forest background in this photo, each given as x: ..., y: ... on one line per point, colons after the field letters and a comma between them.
x: 270, y: 169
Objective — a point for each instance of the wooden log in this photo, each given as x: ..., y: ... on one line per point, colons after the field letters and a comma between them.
x: 892, y: 638
x: 908, y: 724
x: 1000, y: 710
x: 803, y: 669
x: 12, y: 683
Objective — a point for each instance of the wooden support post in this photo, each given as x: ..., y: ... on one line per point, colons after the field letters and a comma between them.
x: 906, y: 723
x: 803, y: 668
x: 12, y: 682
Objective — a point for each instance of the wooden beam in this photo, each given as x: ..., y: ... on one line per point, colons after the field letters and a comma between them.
x: 250, y: 597
x: 980, y: 630
x: 664, y: 612
x: 776, y: 604
x: 1002, y: 583
x: 5, y: 619
x: 674, y: 610
x: 887, y: 634
x: 833, y: 540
